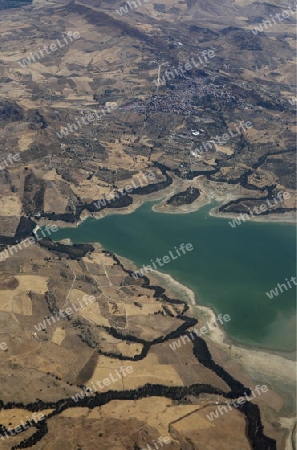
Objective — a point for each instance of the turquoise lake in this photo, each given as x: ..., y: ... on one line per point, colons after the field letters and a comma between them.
x: 230, y: 269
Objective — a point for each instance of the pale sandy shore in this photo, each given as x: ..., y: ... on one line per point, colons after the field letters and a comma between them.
x: 289, y: 217
x: 180, y: 186
x: 138, y: 201
x: 161, y: 207
x: 273, y: 365
x: 280, y: 367
x: 276, y: 369
x: 207, y: 195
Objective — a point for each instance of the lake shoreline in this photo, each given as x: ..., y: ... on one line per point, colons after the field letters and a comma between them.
x: 276, y: 369
x: 218, y: 335
x: 218, y: 240
x: 207, y: 196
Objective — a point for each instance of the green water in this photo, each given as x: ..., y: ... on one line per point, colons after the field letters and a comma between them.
x: 229, y: 269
